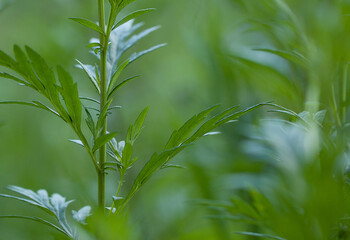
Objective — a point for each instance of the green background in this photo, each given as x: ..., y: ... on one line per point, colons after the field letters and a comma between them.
x: 199, y: 67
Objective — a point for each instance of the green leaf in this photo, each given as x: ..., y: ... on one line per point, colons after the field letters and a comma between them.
x: 94, y: 45
x: 116, y: 75
x: 172, y: 166
x: 20, y: 81
x: 127, y: 154
x: 102, y: 140
x: 153, y: 165
x: 43, y: 106
x: 135, y: 56
x: 102, y: 116
x: 178, y: 136
x: 7, y: 61
x: 238, y: 114
x: 290, y: 56
x: 24, y: 68
x: 136, y: 129
x: 90, y: 123
x: 42, y: 70
x: 132, y: 16
x: 123, y: 3
x: 120, y: 85
x: 35, y: 219
x: 69, y: 92
x: 89, y: 24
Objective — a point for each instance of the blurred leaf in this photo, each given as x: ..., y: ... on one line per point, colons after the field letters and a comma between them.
x: 290, y: 56
x: 79, y: 142
x: 82, y: 214
x: 55, y: 205
x: 5, y: 3
x: 173, y: 166
x: 260, y: 235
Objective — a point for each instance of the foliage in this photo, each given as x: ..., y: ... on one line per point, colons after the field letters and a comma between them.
x: 63, y: 99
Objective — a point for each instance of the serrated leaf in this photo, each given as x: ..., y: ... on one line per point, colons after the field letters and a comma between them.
x: 69, y: 92
x: 102, y: 140
x: 132, y: 16
x: 24, y: 68
x: 89, y: 24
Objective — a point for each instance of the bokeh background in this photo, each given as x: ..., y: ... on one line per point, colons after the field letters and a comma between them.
x: 209, y: 59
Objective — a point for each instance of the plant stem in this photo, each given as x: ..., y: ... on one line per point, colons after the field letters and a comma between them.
x: 103, y: 84
x: 117, y: 194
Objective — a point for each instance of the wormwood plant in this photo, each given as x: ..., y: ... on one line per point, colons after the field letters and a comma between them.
x: 30, y: 70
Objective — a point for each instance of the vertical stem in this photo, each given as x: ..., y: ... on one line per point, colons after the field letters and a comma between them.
x: 103, y: 84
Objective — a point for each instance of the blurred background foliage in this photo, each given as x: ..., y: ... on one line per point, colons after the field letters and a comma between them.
x: 231, y: 52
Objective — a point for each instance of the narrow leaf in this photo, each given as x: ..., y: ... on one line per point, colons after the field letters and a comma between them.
x: 89, y: 24
x: 102, y: 140
x: 135, y: 56
x: 132, y: 16
x: 120, y: 85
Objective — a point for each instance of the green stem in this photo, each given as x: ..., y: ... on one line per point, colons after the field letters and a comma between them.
x: 103, y: 94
